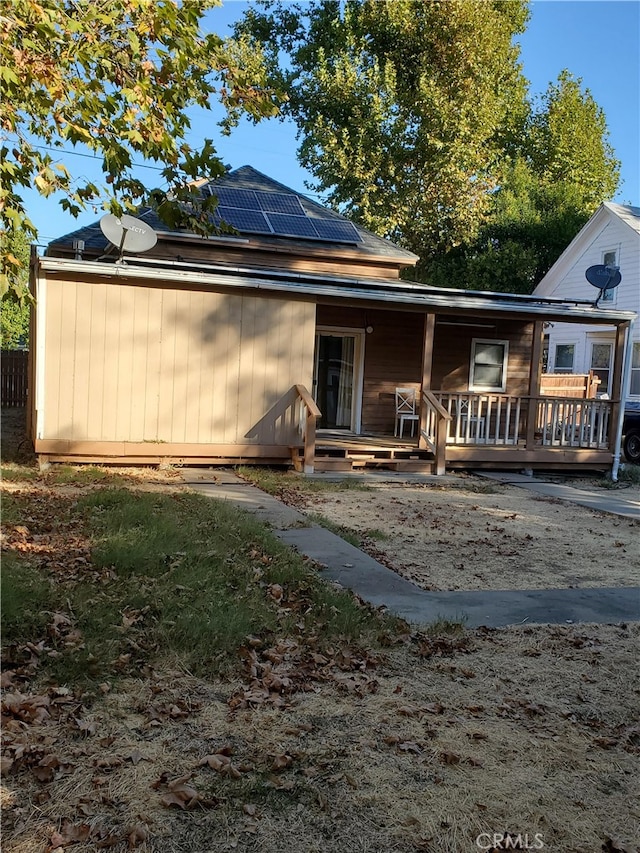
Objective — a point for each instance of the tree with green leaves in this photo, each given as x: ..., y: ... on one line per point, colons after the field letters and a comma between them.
x: 563, y: 169
x: 14, y: 322
x: 117, y: 77
x: 415, y: 120
x: 528, y: 226
x: 402, y: 107
x: 14, y: 311
x: 568, y: 142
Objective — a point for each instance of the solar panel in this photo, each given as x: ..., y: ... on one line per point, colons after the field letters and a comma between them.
x: 292, y: 226
x: 280, y: 203
x: 243, y: 220
x: 232, y: 197
x: 341, y: 232
x: 281, y: 214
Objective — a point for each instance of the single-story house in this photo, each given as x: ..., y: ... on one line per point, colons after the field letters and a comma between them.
x: 286, y: 341
x: 611, y: 238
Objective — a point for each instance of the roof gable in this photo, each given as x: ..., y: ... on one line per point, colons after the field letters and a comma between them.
x: 627, y: 213
x: 608, y: 215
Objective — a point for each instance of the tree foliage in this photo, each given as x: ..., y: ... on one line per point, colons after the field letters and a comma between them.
x: 563, y: 169
x: 117, y: 77
x: 14, y: 311
x: 529, y: 225
x: 402, y: 107
x: 567, y: 142
x: 415, y: 119
x: 14, y: 321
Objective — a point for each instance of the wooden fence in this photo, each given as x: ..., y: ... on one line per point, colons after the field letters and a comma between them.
x: 14, y: 377
x: 569, y: 384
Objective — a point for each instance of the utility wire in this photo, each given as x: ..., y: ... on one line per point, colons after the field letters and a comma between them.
x: 65, y: 151
x: 160, y: 168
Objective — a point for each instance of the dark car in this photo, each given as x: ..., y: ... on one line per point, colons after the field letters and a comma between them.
x: 631, y: 433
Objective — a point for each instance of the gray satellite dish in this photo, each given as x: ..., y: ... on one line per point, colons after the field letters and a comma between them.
x: 603, y: 277
x: 128, y: 234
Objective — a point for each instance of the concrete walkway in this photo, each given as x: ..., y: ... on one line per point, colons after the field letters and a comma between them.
x: 601, y: 500
x: 350, y: 567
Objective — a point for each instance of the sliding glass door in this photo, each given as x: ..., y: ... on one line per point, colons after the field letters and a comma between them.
x: 337, y: 379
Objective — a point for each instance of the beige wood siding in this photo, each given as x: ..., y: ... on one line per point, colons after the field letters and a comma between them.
x: 153, y: 364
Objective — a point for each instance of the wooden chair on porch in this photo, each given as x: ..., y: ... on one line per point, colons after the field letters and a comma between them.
x: 472, y: 425
x: 406, y: 410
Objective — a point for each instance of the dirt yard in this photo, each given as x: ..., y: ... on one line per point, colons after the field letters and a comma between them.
x: 448, y: 741
x: 477, y: 534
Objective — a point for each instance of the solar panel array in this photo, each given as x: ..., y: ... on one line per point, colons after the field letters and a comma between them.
x: 243, y: 219
x: 279, y: 214
x: 280, y: 203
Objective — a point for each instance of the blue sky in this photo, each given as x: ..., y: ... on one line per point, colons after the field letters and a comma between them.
x: 597, y: 40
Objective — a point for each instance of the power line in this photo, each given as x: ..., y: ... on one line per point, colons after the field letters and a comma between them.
x: 65, y: 151
x: 160, y: 168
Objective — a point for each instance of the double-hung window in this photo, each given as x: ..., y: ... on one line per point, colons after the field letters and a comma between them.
x: 634, y: 387
x: 488, y: 365
x: 609, y: 259
x: 564, y: 358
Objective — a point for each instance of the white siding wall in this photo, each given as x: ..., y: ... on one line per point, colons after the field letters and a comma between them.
x: 614, y: 235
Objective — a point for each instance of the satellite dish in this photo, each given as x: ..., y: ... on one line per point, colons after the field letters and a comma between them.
x: 603, y: 277
x: 128, y: 234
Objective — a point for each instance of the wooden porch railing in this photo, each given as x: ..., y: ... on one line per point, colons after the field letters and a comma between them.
x: 484, y: 418
x: 434, y: 424
x: 307, y: 417
x: 573, y: 423
x: 503, y: 419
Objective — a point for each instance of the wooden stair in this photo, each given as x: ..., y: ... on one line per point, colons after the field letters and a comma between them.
x: 351, y: 457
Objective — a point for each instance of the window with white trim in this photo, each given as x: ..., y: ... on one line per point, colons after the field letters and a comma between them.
x: 634, y: 387
x: 488, y: 365
x: 564, y: 358
x: 609, y: 259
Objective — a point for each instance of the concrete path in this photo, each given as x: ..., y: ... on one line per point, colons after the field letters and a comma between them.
x: 350, y: 567
x: 601, y: 500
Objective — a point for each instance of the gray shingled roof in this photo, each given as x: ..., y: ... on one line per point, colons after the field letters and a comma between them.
x: 246, y: 177
x: 627, y: 213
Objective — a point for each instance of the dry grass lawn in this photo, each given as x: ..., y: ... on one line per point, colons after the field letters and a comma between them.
x: 437, y: 742
x: 519, y: 731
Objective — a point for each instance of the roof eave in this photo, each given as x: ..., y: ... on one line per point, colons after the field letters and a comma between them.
x: 366, y: 291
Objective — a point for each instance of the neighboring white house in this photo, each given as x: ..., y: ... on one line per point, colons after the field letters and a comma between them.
x: 610, y: 237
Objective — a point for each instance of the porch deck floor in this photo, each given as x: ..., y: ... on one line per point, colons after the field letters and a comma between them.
x: 345, y: 440
x: 379, y: 450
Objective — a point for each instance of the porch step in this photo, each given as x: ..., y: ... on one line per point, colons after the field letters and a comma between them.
x: 326, y: 464
x: 418, y: 466
x: 333, y: 458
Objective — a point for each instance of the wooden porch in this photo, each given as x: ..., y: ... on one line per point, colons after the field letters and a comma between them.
x: 344, y: 451
x: 464, y: 430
